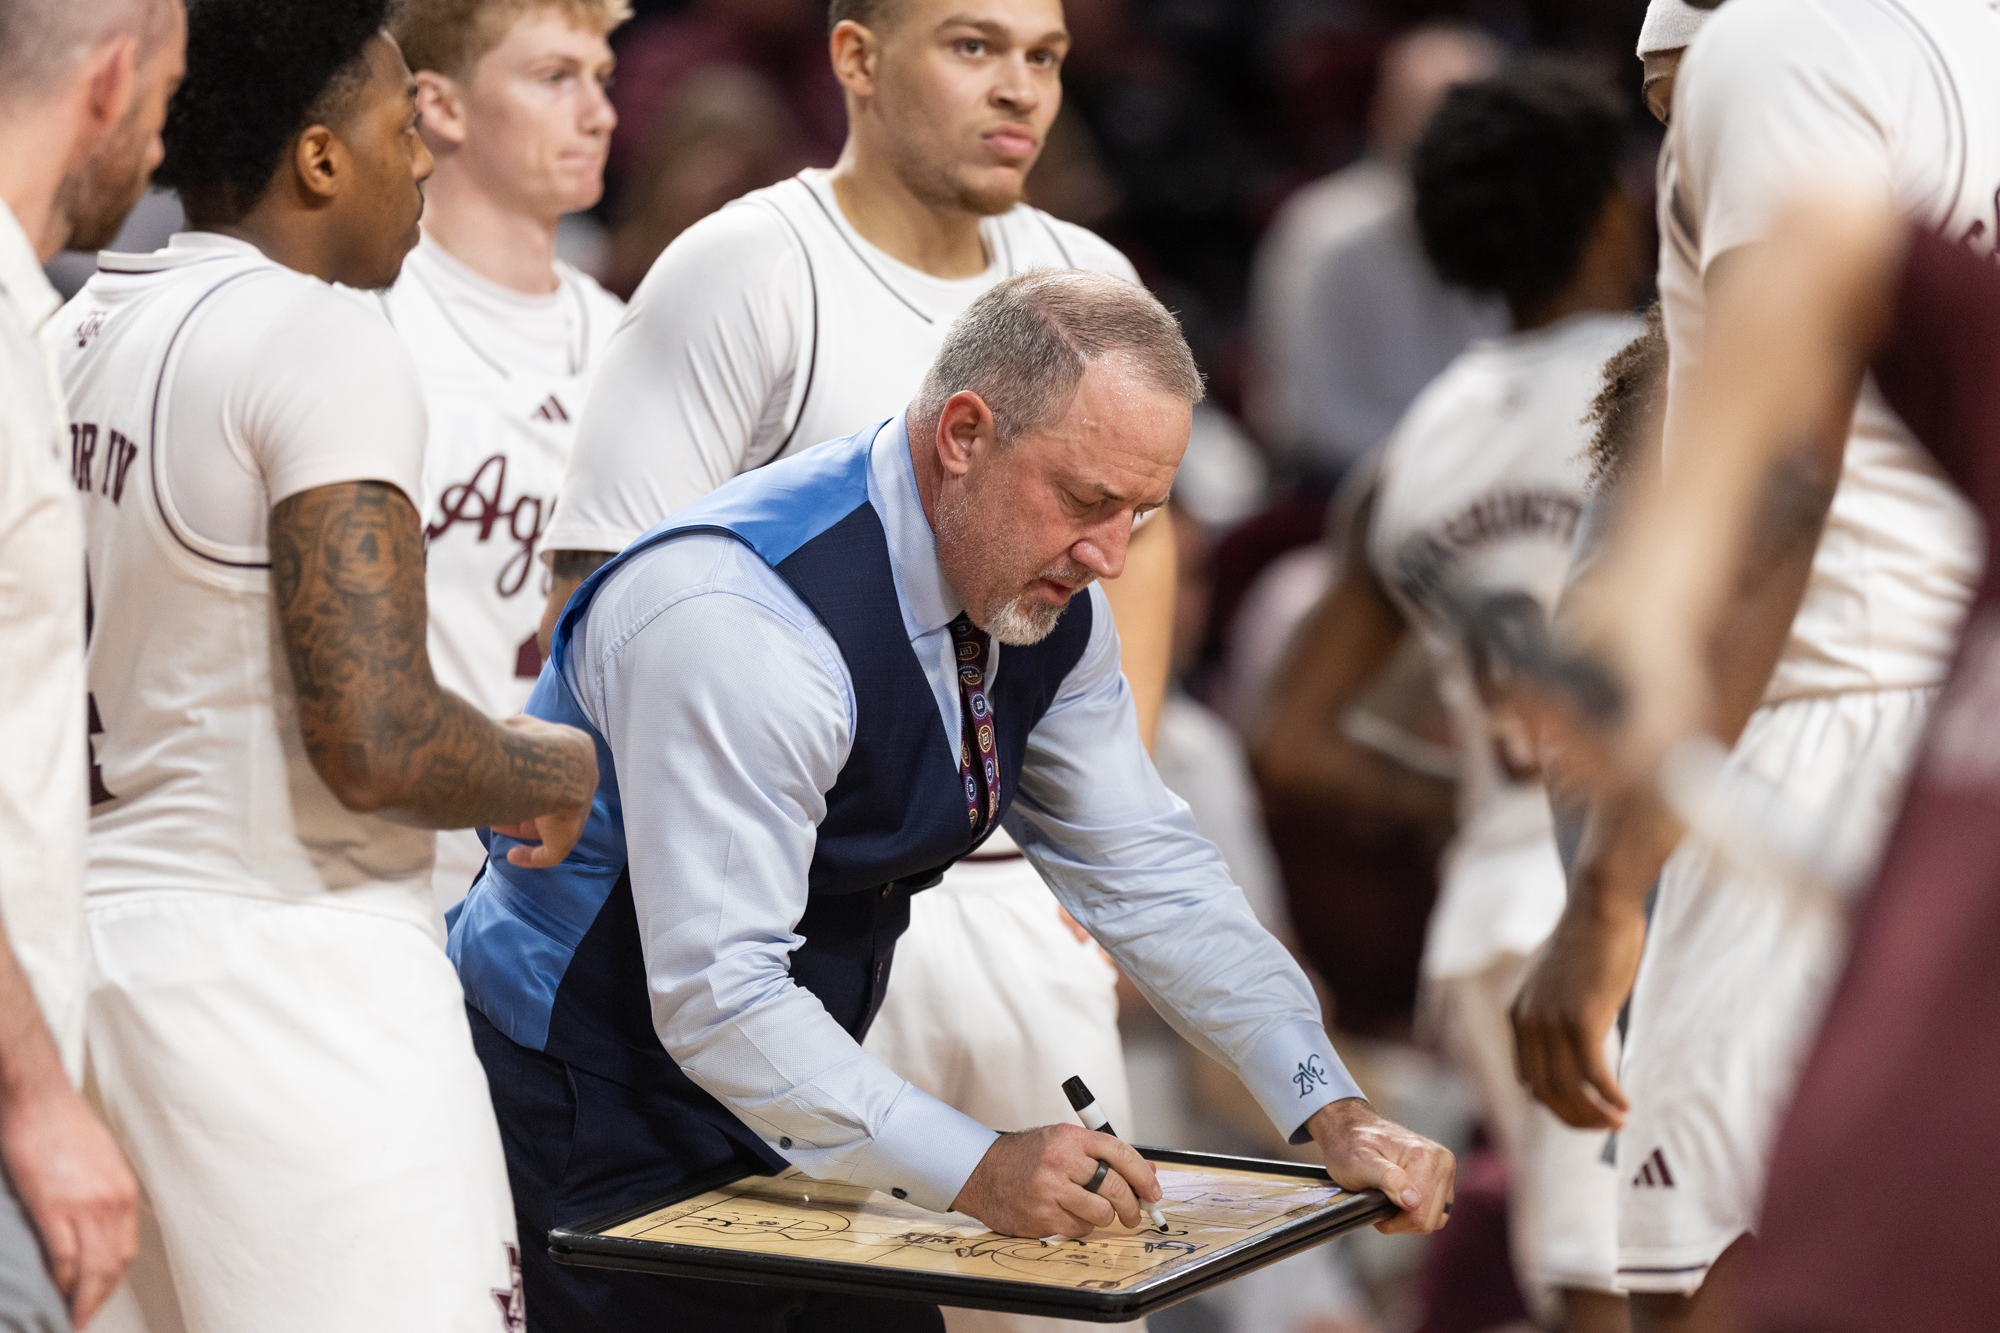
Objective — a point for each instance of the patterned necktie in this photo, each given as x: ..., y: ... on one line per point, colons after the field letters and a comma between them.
x: 982, y: 779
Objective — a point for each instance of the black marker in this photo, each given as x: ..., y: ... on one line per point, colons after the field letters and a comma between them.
x: 1087, y: 1110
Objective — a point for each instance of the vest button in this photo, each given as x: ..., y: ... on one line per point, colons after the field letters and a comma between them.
x: 885, y: 890
x: 900, y: 1192
x: 784, y: 1143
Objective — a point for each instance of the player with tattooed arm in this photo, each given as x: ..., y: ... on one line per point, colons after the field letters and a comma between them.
x: 280, y: 1042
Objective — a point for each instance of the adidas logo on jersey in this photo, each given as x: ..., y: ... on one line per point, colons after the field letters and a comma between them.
x: 1653, y: 1173
x: 551, y: 410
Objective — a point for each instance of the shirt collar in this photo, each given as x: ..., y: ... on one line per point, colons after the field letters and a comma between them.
x: 927, y: 600
x: 22, y: 281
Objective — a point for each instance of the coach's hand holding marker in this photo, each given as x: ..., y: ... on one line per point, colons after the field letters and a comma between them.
x: 1058, y: 1182
x: 1085, y: 1106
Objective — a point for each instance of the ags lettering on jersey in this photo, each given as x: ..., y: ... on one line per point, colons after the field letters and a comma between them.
x: 100, y: 471
x: 482, y: 503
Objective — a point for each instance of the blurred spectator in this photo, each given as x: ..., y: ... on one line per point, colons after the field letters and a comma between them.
x: 1223, y: 476
x: 1200, y: 759
x: 723, y: 133
x: 783, y: 40
x: 1069, y: 179
x: 1349, y: 320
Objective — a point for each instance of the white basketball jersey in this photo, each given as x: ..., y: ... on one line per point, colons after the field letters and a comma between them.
x: 766, y: 328
x: 877, y: 324
x: 201, y: 778
x: 1900, y: 95
x: 1480, y: 490
x: 501, y: 425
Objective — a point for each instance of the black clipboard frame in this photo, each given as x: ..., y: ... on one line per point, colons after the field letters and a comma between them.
x: 582, y: 1245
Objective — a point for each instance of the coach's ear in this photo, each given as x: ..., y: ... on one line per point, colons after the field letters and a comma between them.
x: 441, y: 111
x: 319, y: 160
x: 965, y: 430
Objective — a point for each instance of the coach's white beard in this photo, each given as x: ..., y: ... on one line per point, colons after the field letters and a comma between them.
x: 1025, y: 620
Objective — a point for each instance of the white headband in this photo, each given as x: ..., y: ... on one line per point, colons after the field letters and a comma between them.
x: 1670, y: 25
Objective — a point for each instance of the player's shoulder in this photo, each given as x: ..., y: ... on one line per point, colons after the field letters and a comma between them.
x: 1041, y: 240
x: 283, y: 298
x: 292, y: 334
x: 751, y: 224
x: 1746, y: 42
x: 1471, y: 382
x: 746, y: 246
x: 1582, y: 343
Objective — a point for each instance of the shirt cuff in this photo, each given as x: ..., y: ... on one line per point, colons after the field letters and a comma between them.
x: 924, y: 1151
x: 1292, y: 1073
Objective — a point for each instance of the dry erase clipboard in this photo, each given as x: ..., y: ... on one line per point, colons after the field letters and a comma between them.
x: 1226, y: 1216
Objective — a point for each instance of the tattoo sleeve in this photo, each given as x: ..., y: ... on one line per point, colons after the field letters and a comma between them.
x: 347, y: 576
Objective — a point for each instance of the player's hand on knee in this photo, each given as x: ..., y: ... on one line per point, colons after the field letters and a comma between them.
x: 550, y: 837
x: 1038, y: 1183
x: 1366, y: 1151
x: 77, y: 1190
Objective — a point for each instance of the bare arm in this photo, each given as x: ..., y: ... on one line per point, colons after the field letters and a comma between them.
x: 347, y: 569
x: 1343, y: 646
x: 567, y: 571
x: 1142, y: 602
x: 1695, y: 599
x: 70, y: 1175
x: 1716, y: 545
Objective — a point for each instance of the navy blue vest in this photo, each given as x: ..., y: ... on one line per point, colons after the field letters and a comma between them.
x: 553, y: 957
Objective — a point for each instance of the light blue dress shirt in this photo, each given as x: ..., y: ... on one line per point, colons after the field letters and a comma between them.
x: 729, y: 713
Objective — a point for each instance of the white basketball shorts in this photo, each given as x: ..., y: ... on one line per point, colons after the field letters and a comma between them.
x: 296, y: 1089
x: 1737, y: 967
x: 1562, y: 1207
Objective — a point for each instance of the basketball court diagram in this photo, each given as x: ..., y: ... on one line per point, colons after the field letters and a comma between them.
x: 795, y: 1216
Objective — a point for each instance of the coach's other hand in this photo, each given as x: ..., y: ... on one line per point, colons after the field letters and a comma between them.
x: 1365, y: 1151
x: 557, y: 831
x: 73, y: 1182
x: 1032, y: 1183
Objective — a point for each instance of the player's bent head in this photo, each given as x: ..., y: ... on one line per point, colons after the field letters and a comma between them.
x: 955, y: 96
x: 1514, y: 174
x: 123, y: 59
x: 514, y: 94
x: 1058, y: 408
x: 301, y: 111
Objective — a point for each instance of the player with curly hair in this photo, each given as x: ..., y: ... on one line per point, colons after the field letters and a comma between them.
x: 278, y: 1038
x: 1475, y: 500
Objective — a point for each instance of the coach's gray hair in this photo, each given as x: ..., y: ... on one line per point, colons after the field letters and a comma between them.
x: 1023, y: 347
x: 42, y: 40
